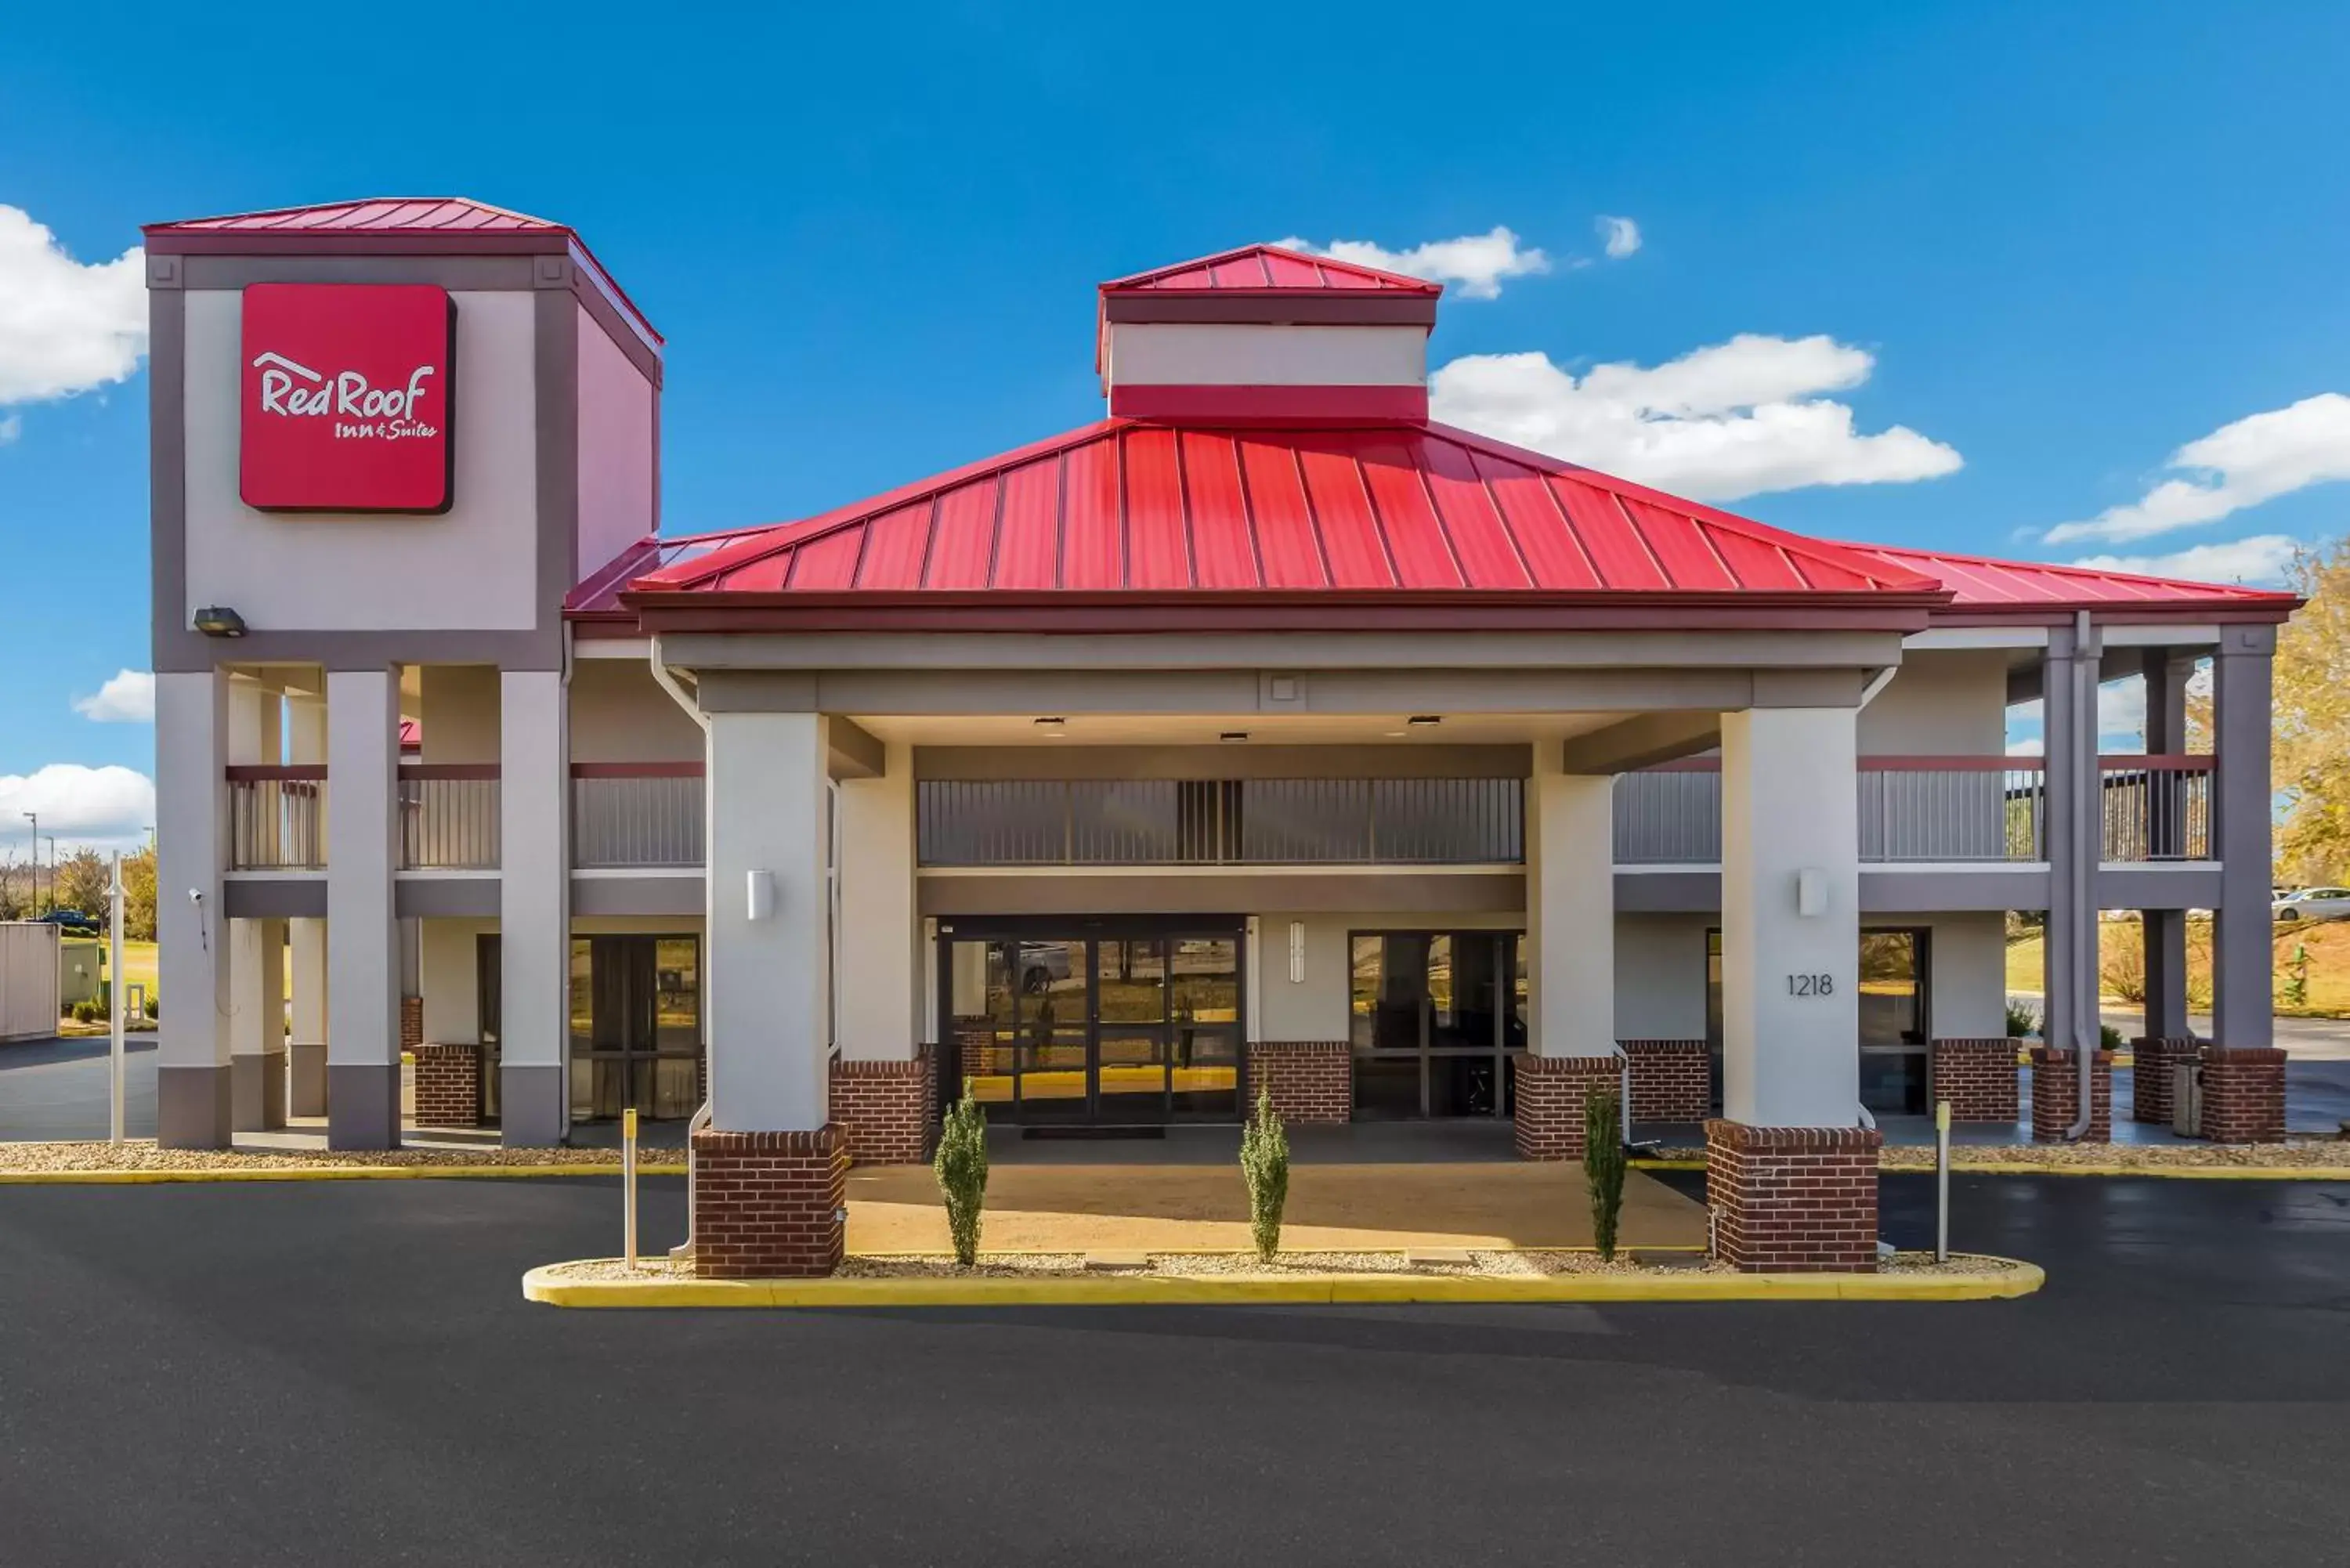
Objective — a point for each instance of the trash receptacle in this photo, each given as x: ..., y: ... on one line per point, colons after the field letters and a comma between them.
x: 2186, y: 1100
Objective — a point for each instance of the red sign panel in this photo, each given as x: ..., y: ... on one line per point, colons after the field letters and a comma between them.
x: 347, y: 397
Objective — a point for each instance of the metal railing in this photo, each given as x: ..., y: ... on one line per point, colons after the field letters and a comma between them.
x: 448, y: 816
x: 278, y: 817
x: 629, y: 815
x: 2156, y: 807
x: 1220, y: 822
x: 1989, y: 809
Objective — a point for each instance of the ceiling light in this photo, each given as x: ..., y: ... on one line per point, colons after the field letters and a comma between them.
x: 1052, y: 726
x: 1422, y: 721
x: 1234, y: 735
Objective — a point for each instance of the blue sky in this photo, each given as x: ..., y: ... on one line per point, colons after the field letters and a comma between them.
x: 2053, y: 245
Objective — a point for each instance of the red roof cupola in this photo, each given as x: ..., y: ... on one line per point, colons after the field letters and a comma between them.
x: 1264, y: 335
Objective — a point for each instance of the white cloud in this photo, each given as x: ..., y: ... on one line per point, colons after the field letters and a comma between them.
x: 128, y: 698
x: 100, y: 807
x: 2261, y: 559
x: 11, y: 427
x: 1478, y: 263
x: 2024, y: 748
x: 65, y: 326
x: 1620, y: 235
x: 1730, y: 419
x: 2256, y: 458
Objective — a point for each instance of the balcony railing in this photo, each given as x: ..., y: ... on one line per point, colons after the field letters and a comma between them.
x: 1220, y: 822
x: 1989, y: 809
x: 278, y: 817
x: 635, y: 815
x: 448, y: 816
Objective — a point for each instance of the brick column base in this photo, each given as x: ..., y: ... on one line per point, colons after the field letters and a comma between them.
x: 2156, y: 1057
x: 1792, y: 1200
x: 1978, y: 1077
x: 411, y: 1023
x: 769, y: 1205
x: 1548, y: 1102
x: 1669, y: 1080
x: 448, y: 1086
x: 2243, y: 1096
x: 2057, y: 1095
x: 883, y: 1108
x: 1308, y: 1080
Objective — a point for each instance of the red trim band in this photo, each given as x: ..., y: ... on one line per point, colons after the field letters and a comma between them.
x: 283, y: 772
x: 1290, y: 406
x: 636, y: 770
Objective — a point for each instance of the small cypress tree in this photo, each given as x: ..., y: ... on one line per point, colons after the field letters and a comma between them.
x: 1264, y: 1163
x: 1603, y: 1161
x: 960, y: 1166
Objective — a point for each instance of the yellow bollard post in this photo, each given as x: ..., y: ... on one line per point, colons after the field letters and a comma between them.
x: 628, y: 1179
x: 1942, y: 1181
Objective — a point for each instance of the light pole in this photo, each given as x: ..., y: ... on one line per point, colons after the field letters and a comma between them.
x: 34, y: 818
x: 53, y: 870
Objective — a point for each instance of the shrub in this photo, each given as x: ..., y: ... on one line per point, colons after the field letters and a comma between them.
x: 1603, y: 1161
x: 1264, y: 1163
x: 960, y: 1166
x: 86, y: 1013
x: 2021, y: 1020
x: 2109, y: 1038
x: 2121, y: 967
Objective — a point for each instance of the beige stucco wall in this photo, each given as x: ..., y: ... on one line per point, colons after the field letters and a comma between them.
x: 617, y: 463
x: 619, y: 715
x: 1316, y: 1007
x: 473, y: 567
x: 458, y: 712
x: 1944, y: 703
x: 1660, y: 976
x: 449, y: 973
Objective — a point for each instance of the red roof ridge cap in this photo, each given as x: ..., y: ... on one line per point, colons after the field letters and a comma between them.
x: 354, y: 201
x: 1143, y: 280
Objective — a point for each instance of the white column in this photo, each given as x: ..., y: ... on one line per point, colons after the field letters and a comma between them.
x: 306, y: 974
x: 765, y: 982
x: 362, y: 944
x: 880, y: 991
x: 256, y: 1023
x: 1570, y: 911
x: 1790, y: 917
x: 533, y: 906
x: 191, y: 851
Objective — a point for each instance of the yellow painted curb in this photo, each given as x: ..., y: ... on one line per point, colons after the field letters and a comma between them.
x: 2050, y: 1168
x: 1318, y: 1290
x: 316, y: 1173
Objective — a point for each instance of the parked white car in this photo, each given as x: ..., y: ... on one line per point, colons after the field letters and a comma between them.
x: 2312, y: 904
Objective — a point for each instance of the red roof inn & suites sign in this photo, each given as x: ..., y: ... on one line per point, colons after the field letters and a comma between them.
x: 346, y: 399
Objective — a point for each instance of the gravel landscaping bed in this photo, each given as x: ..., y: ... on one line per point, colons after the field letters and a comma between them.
x: 1245, y: 1266
x: 141, y: 1154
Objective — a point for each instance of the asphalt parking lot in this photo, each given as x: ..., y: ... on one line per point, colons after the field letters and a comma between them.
x: 343, y: 1373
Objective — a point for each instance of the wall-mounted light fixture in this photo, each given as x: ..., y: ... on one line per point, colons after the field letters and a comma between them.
x: 1811, y: 893
x: 762, y: 891
x: 218, y: 620
x: 1053, y: 726
x: 1297, y: 952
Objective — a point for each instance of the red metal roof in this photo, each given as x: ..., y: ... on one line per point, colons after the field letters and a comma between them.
x: 374, y: 214
x: 1979, y: 582
x: 1266, y: 269
x: 436, y: 224
x: 1134, y: 507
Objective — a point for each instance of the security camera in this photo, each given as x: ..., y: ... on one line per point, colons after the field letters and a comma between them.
x: 196, y: 896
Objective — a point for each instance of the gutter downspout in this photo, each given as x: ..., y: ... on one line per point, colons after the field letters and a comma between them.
x: 2088, y: 813
x: 667, y: 681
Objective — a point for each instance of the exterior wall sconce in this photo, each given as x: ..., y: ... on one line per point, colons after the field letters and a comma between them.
x: 1811, y: 893
x: 762, y: 895
x: 219, y: 620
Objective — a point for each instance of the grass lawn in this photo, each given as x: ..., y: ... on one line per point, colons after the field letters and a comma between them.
x: 2329, y: 962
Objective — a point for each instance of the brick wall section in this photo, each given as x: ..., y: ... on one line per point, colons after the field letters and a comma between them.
x: 1549, y: 1102
x: 2153, y: 1059
x: 411, y: 1023
x: 448, y: 1086
x: 1311, y: 1081
x: 768, y: 1205
x: 2243, y: 1096
x: 882, y: 1109
x: 1792, y: 1200
x: 1978, y: 1077
x: 2057, y: 1095
x: 1671, y: 1080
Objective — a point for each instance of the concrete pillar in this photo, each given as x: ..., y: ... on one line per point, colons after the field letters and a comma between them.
x: 2242, y: 952
x: 306, y: 974
x: 192, y: 1080
x: 362, y: 943
x: 2069, y: 727
x: 1571, y: 967
x: 2165, y: 930
x: 883, y: 1094
x: 257, y: 1024
x: 534, y: 905
x: 1791, y: 1179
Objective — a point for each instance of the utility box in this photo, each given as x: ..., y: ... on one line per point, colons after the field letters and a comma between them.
x: 2186, y: 1100
x: 29, y: 980
x: 78, y: 966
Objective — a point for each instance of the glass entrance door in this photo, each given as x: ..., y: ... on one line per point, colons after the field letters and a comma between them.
x: 636, y: 1026
x: 1132, y: 1023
